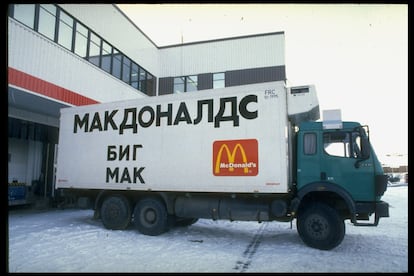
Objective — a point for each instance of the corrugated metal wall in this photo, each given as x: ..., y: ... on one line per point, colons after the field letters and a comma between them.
x: 223, y: 55
x: 35, y: 55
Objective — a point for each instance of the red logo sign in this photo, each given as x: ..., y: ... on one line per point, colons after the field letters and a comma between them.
x: 235, y: 158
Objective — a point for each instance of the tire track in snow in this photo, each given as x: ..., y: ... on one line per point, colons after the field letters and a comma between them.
x: 243, y: 264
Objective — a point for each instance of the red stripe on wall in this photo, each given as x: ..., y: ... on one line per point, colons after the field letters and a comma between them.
x: 29, y: 82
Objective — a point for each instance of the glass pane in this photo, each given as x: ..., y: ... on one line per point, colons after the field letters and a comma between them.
x: 337, y: 144
x: 150, y: 84
x: 81, y: 40
x: 126, y: 69
x: 65, y: 30
x: 134, y: 73
x: 309, y: 143
x: 94, y: 49
x: 191, y: 83
x: 47, y: 20
x: 218, y: 76
x: 179, y: 84
x: 134, y: 84
x: 142, y: 80
x: 218, y: 80
x: 116, y: 64
x: 106, y: 57
x: 25, y: 13
x: 218, y: 84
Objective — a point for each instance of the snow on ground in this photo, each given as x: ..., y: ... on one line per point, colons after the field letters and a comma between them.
x: 71, y: 240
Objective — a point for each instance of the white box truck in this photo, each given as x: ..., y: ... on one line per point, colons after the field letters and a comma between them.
x: 253, y: 153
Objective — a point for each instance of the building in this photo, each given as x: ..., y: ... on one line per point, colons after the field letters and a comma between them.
x: 67, y: 55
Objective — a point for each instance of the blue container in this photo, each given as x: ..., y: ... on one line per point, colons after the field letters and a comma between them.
x: 17, y: 192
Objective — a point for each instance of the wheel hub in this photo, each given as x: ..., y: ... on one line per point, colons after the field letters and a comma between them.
x: 150, y: 216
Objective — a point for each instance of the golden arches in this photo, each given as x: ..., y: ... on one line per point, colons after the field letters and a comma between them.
x: 231, y: 156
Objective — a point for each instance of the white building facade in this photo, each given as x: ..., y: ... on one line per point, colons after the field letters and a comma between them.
x: 78, y: 54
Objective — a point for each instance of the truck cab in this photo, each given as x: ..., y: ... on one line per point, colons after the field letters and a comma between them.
x: 338, y: 177
x: 336, y: 162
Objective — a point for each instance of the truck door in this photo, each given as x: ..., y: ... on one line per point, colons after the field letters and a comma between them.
x: 342, y: 163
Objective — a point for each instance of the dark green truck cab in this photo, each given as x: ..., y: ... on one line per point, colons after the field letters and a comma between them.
x: 338, y: 177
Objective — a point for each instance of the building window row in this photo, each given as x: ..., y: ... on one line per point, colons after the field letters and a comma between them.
x: 203, y: 81
x: 60, y: 27
x: 185, y: 84
x: 194, y: 83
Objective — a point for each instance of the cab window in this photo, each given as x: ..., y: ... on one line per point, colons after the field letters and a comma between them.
x: 342, y: 144
x: 309, y: 143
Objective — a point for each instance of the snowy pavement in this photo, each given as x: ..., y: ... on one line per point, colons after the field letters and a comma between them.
x: 71, y: 240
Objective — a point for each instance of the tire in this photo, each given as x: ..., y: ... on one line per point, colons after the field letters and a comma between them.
x: 116, y: 212
x: 151, y: 217
x: 320, y: 226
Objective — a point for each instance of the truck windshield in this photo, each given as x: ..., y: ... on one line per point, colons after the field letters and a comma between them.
x: 342, y: 144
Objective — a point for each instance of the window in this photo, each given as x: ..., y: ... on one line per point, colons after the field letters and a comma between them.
x: 116, y: 64
x: 218, y: 80
x: 179, y: 85
x: 94, y: 49
x: 142, y: 80
x: 81, y: 40
x: 309, y: 143
x: 150, y: 84
x: 185, y: 84
x: 134, y: 75
x: 65, y: 30
x: 191, y: 83
x: 25, y: 13
x: 57, y: 25
x: 47, y: 20
x: 336, y: 143
x: 126, y: 70
x: 106, y: 57
x: 342, y: 144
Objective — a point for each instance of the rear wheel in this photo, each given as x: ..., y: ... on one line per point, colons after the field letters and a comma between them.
x: 116, y: 212
x: 151, y: 217
x: 320, y: 226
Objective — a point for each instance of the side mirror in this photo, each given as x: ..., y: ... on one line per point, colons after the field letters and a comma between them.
x: 365, y: 148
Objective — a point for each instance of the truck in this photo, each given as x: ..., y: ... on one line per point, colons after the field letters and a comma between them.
x: 256, y: 152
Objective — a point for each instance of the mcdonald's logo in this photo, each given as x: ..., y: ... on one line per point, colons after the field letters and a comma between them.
x: 235, y: 158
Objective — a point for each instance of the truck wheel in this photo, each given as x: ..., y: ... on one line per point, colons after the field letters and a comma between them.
x: 151, y: 217
x: 320, y: 226
x: 116, y: 212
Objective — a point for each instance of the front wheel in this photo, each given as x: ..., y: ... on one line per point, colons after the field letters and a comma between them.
x: 320, y: 226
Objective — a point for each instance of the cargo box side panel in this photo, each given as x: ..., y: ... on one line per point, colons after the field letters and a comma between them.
x: 243, y: 149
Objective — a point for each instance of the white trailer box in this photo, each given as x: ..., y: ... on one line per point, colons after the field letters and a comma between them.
x: 228, y: 153
x: 223, y: 140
